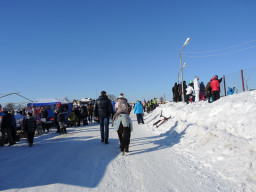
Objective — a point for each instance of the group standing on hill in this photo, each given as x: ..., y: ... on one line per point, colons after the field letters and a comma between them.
x: 197, y: 91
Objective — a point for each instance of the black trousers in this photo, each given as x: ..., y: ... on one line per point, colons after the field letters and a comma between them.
x: 30, y: 136
x: 187, y: 96
x: 215, y: 95
x: 140, y: 118
x: 124, y: 134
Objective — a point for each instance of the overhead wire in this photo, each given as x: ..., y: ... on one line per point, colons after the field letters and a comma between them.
x: 216, y: 50
x: 222, y: 53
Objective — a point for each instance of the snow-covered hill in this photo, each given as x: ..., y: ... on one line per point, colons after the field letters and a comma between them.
x: 222, y: 134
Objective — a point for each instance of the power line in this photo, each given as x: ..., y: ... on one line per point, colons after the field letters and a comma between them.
x: 216, y: 50
x: 222, y: 53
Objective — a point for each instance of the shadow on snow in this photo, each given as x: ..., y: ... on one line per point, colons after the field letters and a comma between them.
x: 162, y: 141
x: 80, y: 161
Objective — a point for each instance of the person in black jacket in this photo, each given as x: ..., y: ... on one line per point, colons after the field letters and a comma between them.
x: 102, y: 112
x: 6, y: 127
x: 84, y: 114
x: 78, y: 115
x: 29, y: 128
x: 61, y: 118
x: 175, y: 92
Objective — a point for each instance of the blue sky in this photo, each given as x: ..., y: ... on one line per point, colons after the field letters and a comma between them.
x: 57, y: 48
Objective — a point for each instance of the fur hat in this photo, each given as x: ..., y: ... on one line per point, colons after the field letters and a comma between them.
x: 103, y: 93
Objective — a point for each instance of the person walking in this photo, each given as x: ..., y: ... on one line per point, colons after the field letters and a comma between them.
x: 102, y: 112
x: 138, y: 110
x: 29, y: 128
x: 122, y: 105
x: 144, y: 104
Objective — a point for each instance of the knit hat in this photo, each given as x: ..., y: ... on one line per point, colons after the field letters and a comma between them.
x: 121, y: 95
x: 59, y: 104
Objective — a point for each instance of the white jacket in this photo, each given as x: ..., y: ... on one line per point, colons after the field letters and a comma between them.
x: 189, y: 90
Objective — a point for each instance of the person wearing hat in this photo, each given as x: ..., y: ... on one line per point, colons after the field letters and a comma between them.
x: 29, y: 128
x: 121, y: 105
x: 102, y: 112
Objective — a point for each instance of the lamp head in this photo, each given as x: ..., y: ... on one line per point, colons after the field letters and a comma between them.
x: 187, y: 41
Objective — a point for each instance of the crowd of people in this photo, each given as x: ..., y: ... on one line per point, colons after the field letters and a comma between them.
x: 100, y: 112
x: 196, y: 91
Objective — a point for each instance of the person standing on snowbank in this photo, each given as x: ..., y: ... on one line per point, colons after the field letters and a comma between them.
x: 189, y: 91
x: 138, y: 110
x: 102, y: 112
x: 30, y: 127
x: 215, y: 85
x: 196, y: 89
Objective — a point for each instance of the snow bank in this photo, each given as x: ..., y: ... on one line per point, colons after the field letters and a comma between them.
x: 222, y: 134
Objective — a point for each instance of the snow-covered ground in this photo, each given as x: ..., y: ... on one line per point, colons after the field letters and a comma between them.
x: 202, y: 147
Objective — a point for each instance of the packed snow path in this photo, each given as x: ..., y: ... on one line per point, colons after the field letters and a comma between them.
x: 78, y: 161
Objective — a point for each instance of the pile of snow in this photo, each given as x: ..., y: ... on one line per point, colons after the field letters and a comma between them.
x: 222, y: 134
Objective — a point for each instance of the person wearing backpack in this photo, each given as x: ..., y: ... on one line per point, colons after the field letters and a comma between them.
x: 29, y: 128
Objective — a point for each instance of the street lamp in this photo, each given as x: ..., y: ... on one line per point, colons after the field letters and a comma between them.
x: 181, y: 67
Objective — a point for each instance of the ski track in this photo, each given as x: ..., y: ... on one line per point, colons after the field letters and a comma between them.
x: 78, y: 161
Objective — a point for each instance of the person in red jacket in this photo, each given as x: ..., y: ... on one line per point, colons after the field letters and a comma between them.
x: 215, y: 85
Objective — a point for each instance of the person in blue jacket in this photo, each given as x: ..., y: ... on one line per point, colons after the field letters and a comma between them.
x: 114, y: 110
x: 138, y: 110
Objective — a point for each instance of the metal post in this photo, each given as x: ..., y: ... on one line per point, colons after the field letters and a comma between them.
x: 181, y: 69
x: 224, y: 81
x: 181, y: 76
x: 242, y: 75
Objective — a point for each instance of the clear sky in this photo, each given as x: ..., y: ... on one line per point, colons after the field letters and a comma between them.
x: 57, y: 48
